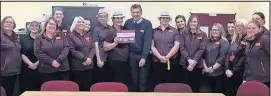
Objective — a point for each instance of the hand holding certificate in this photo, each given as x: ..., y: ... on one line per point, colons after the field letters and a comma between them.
x: 126, y: 36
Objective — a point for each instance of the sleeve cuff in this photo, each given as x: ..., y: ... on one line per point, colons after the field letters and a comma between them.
x: 58, y: 61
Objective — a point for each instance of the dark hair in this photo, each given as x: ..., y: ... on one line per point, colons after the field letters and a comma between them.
x: 180, y: 16
x: 88, y: 19
x: 136, y: 6
x: 46, y: 23
x: 5, y: 19
x: 232, y: 21
x: 58, y: 9
x: 261, y: 15
x: 255, y: 22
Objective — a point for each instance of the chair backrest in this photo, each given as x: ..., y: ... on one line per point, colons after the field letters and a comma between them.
x: 3, y: 92
x: 252, y: 88
x: 173, y: 88
x: 59, y: 86
x: 109, y: 87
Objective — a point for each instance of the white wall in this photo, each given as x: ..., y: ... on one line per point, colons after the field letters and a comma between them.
x: 25, y: 11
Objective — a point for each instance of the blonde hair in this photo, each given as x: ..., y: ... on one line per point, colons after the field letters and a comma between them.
x: 75, y: 20
x: 236, y: 37
x: 220, y: 29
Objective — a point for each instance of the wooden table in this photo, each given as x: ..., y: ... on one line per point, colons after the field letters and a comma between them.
x: 53, y: 93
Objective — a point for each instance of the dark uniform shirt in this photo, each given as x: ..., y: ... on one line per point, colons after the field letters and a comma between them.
x: 81, y: 48
x: 120, y: 52
x: 47, y: 50
x: 99, y: 33
x: 257, y: 66
x: 192, y: 46
x: 215, y: 52
x: 164, y: 40
x: 10, y: 54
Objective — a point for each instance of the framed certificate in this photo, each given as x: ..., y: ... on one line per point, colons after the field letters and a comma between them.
x: 126, y: 36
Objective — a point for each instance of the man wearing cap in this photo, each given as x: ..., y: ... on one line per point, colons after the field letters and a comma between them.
x: 165, y: 45
x: 139, y: 51
x: 99, y: 33
x: 58, y: 16
x: 117, y: 53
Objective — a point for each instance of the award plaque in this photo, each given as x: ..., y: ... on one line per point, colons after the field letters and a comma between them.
x: 126, y: 36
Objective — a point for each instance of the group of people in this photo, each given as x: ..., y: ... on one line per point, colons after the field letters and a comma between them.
x: 219, y: 63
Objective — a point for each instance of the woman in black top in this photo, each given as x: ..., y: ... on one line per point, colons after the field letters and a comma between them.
x: 29, y: 78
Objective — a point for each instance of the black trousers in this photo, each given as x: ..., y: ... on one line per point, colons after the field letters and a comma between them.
x: 61, y: 75
x: 139, y: 74
x: 118, y: 70
x: 82, y: 78
x: 162, y: 75
x: 192, y: 78
x: 231, y: 85
x: 212, y: 84
x: 8, y: 83
x: 29, y: 80
x: 101, y: 74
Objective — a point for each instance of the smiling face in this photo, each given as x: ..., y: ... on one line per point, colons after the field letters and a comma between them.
x: 215, y: 32
x: 252, y: 29
x: 164, y: 20
x: 87, y: 25
x: 231, y: 28
x: 103, y: 18
x: 240, y: 28
x: 180, y: 23
x: 9, y: 24
x: 193, y: 23
x: 58, y: 15
x: 34, y: 27
x: 118, y: 21
x: 136, y: 13
x: 258, y: 18
x: 80, y: 25
x: 51, y: 26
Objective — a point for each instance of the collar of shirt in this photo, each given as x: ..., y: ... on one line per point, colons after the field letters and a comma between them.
x: 102, y: 26
x: 167, y: 28
x: 77, y: 34
x: 139, y: 21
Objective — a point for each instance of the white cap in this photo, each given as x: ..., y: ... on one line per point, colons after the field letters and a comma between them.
x: 118, y: 13
x: 102, y: 11
x: 164, y: 14
x: 35, y: 20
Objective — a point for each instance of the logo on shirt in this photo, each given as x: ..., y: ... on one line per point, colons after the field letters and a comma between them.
x: 58, y: 38
x: 64, y: 31
x: 243, y: 43
x: 257, y: 44
x: 217, y: 43
x: 170, y: 31
x: 142, y: 30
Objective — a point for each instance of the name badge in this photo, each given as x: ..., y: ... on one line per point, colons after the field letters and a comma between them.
x: 243, y: 43
x: 257, y: 44
x: 217, y: 43
x: 142, y: 31
x: 170, y: 31
x: 64, y: 31
x: 58, y: 38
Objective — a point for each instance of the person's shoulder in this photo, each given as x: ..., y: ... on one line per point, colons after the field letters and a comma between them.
x: 146, y: 21
x: 129, y: 20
